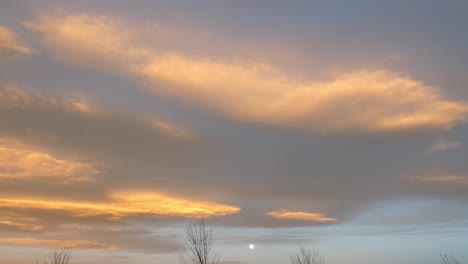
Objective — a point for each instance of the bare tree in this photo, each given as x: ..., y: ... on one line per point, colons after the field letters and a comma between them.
x: 199, y: 245
x: 307, y: 256
x: 446, y: 259
x: 59, y: 256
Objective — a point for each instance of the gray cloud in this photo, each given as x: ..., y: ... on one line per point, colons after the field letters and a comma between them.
x: 257, y: 166
x: 134, y: 154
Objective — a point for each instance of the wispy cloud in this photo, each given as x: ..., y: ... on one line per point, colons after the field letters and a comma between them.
x: 298, y: 215
x: 451, y: 179
x: 443, y: 145
x: 14, y: 97
x: 21, y: 162
x: 51, y: 243
x: 7, y: 225
x: 365, y: 101
x: 124, y: 204
x: 172, y: 130
x: 9, y: 42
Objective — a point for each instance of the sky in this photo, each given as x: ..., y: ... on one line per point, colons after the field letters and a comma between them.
x: 335, y: 125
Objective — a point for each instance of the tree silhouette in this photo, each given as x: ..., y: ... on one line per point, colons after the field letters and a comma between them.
x: 199, y: 245
x: 307, y: 256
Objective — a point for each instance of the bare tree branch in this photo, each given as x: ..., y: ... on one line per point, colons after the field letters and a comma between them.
x: 307, y: 256
x: 446, y: 259
x: 59, y: 256
x: 199, y: 245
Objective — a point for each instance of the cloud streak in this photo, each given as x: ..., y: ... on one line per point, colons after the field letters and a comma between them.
x: 6, y: 225
x: 365, y: 101
x: 20, y: 162
x: 443, y: 145
x: 126, y: 204
x: 171, y: 130
x: 446, y: 179
x: 13, y: 97
x: 9, y: 42
x: 52, y: 243
x: 299, y: 215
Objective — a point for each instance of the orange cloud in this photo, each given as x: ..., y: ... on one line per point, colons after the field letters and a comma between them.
x: 8, y: 41
x: 50, y: 243
x: 366, y: 101
x: 22, y: 162
x: 123, y: 204
x: 113, y: 48
x: 9, y: 225
x: 298, y: 215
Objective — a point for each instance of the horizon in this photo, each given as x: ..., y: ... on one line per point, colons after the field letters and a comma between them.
x: 336, y: 126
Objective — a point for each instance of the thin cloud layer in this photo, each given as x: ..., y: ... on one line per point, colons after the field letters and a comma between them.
x: 22, y: 108
x: 171, y: 130
x: 446, y: 179
x: 298, y: 215
x: 20, y: 162
x: 364, y: 101
x: 14, y: 97
x: 443, y: 145
x: 9, y: 42
x: 52, y: 243
x: 126, y: 204
x: 7, y: 225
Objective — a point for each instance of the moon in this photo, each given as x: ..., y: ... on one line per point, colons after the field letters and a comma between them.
x: 251, y: 246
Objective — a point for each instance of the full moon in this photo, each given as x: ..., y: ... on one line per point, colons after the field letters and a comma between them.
x: 251, y: 246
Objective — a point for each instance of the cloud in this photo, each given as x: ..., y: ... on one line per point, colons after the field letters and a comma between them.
x: 446, y: 179
x: 125, y: 204
x: 9, y: 42
x: 132, y: 238
x: 17, y: 101
x: 139, y: 155
x: 443, y: 145
x: 50, y: 243
x: 14, y: 97
x: 20, y: 162
x: 43, y: 129
x: 264, y: 237
x: 89, y: 40
x: 171, y: 130
x: 365, y: 101
x: 6, y: 225
x: 298, y: 215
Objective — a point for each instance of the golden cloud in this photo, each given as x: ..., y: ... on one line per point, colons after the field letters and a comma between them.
x: 22, y: 162
x: 372, y: 100
x: 123, y: 204
x: 298, y: 215
x: 79, y: 33
x: 51, y: 243
x: 8, y: 41
x: 10, y: 225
